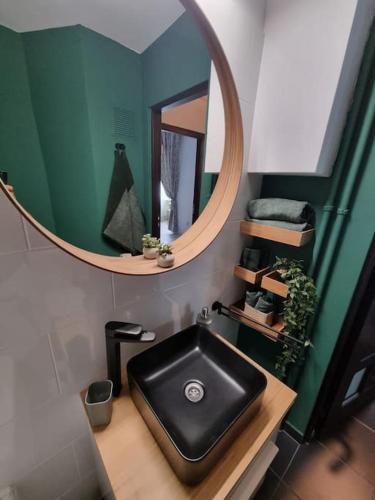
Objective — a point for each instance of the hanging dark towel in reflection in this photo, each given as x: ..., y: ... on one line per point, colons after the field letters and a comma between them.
x: 124, y: 222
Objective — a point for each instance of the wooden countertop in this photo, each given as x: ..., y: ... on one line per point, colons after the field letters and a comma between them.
x: 137, y: 468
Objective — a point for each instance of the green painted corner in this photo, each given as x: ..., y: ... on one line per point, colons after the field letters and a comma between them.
x: 20, y: 147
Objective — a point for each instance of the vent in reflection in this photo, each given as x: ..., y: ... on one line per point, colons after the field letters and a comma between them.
x: 123, y: 122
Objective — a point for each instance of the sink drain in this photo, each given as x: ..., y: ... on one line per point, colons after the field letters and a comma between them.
x: 194, y: 391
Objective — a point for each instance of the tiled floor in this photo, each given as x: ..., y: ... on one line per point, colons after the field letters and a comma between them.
x: 339, y: 468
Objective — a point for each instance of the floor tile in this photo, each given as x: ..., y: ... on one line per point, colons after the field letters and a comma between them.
x: 287, y: 447
x: 367, y: 416
x: 317, y: 474
x: 284, y: 492
x: 268, y: 488
x: 354, y: 443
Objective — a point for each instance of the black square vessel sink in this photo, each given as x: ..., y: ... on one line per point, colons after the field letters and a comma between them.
x: 195, y: 394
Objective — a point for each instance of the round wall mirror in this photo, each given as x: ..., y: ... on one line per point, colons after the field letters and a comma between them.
x: 110, y: 127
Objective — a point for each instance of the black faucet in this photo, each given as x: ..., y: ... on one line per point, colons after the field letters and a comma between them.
x: 115, y: 333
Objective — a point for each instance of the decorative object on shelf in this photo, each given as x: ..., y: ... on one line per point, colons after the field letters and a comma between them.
x: 150, y: 246
x: 278, y: 234
x: 299, y: 306
x: 253, y: 313
x: 274, y: 283
x: 250, y: 258
x: 252, y: 265
x: 253, y: 277
x: 258, y: 307
x: 165, y: 255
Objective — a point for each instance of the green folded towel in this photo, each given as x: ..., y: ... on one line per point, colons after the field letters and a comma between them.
x: 252, y: 297
x: 264, y: 305
x: 250, y: 258
x: 280, y: 209
x: 280, y: 223
x: 259, y: 301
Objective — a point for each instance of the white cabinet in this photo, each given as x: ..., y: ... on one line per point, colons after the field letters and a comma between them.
x: 311, y: 56
x: 239, y: 26
x: 252, y: 479
x: 215, y: 126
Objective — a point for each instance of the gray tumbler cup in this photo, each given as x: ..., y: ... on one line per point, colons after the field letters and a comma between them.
x: 99, y: 402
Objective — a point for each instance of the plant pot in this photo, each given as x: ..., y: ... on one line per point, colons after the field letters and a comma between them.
x: 166, y: 260
x: 150, y: 253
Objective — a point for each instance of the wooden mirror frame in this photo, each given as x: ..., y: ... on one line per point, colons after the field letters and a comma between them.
x: 202, y: 233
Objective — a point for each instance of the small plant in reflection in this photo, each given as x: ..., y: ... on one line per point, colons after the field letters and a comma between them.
x: 165, y: 249
x: 165, y: 255
x: 150, y: 241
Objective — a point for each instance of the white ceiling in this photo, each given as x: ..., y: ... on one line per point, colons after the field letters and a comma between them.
x: 133, y: 23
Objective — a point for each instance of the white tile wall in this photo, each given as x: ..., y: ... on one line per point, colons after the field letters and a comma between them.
x: 53, y: 309
x: 50, y: 479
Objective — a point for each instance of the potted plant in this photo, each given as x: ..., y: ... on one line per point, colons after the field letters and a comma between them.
x: 150, y: 246
x: 298, y: 308
x: 165, y: 257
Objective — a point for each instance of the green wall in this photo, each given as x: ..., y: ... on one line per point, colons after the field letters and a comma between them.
x: 344, y: 275
x: 57, y: 84
x: 113, y: 79
x: 176, y: 61
x: 20, y: 150
x: 71, y: 80
x: 352, y: 246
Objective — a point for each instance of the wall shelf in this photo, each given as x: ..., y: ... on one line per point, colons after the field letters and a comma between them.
x: 272, y: 332
x: 250, y: 276
x: 272, y: 282
x: 278, y: 234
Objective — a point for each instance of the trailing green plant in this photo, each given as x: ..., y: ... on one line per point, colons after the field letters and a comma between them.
x: 150, y: 241
x: 299, y: 306
x: 165, y: 249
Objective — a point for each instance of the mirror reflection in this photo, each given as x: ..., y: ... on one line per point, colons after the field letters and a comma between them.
x: 103, y: 119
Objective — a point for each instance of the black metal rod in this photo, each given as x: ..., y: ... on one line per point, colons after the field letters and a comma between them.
x: 219, y: 307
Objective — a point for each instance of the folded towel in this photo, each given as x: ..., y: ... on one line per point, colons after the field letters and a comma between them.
x: 124, y: 222
x: 297, y: 212
x: 280, y: 223
x: 264, y: 305
x: 250, y: 258
x: 252, y: 297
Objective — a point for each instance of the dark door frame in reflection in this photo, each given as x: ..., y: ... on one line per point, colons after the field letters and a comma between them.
x: 188, y: 95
